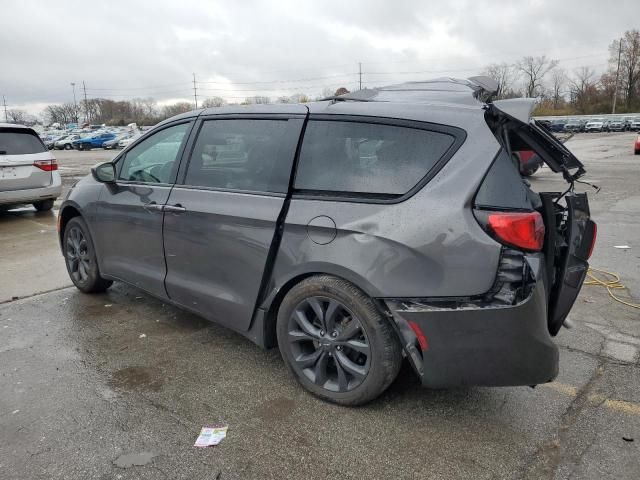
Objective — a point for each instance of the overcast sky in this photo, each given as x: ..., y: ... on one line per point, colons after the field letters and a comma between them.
x: 140, y: 49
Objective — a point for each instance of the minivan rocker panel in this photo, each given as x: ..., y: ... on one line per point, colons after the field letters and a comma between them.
x: 348, y: 232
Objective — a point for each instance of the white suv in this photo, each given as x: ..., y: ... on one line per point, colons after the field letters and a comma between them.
x: 28, y: 170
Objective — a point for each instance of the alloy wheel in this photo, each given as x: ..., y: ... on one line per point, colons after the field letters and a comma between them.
x: 328, y: 344
x: 77, y: 255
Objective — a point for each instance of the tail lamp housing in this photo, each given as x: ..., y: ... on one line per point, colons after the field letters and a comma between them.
x: 46, y: 165
x: 521, y: 230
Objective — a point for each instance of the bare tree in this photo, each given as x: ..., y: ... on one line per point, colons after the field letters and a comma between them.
x: 558, y: 83
x: 629, y: 64
x: 214, y: 102
x: 16, y: 116
x: 534, y: 70
x: 284, y: 99
x: 505, y: 75
x: 299, y: 98
x: 582, y: 87
x: 176, y: 109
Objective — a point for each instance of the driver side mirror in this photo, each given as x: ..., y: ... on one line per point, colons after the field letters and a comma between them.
x: 104, y: 172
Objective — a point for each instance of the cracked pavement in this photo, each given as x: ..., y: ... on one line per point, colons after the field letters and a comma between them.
x: 81, y: 389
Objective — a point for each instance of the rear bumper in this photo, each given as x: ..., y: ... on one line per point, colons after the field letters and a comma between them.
x: 31, y: 195
x: 492, y: 346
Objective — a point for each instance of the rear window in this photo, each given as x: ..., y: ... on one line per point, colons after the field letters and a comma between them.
x: 367, y: 158
x: 17, y: 142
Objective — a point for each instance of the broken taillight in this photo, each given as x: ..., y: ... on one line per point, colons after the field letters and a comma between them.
x: 522, y: 230
x: 46, y: 165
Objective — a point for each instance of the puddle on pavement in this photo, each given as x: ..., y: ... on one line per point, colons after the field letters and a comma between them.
x: 133, y: 459
x: 137, y: 378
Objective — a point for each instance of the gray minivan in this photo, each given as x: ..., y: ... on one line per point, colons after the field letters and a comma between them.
x: 351, y: 233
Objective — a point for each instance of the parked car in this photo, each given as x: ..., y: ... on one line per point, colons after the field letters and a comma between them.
x: 28, y: 170
x: 595, y: 125
x: 574, y: 125
x: 558, y: 125
x: 115, y: 142
x: 635, y: 124
x: 615, y: 124
x: 50, y: 141
x: 545, y: 123
x: 405, y: 231
x: 627, y: 123
x: 125, y: 142
x: 66, y: 142
x: 94, y: 141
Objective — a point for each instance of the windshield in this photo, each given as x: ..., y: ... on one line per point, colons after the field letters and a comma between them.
x: 19, y: 142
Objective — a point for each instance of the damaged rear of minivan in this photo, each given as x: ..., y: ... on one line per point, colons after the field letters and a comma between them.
x: 504, y: 337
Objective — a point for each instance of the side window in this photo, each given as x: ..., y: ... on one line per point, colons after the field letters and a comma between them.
x: 367, y: 158
x: 153, y: 159
x: 253, y: 155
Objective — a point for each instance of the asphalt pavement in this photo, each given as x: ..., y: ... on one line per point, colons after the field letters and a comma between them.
x: 92, y: 384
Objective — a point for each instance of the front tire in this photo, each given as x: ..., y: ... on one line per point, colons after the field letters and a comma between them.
x: 336, y: 342
x: 80, y: 258
x: 68, y: 146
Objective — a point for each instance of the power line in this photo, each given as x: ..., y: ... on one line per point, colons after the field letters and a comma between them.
x: 86, y: 105
x: 281, y: 89
x: 282, y: 81
x: 195, y: 91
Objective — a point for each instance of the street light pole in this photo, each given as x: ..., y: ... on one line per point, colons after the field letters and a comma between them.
x: 75, y: 104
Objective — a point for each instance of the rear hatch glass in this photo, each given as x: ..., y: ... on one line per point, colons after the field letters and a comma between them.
x: 20, y: 142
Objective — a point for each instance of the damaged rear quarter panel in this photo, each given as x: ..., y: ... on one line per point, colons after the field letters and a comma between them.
x: 427, y: 245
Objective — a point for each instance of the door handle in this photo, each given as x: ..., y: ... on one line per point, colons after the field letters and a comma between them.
x: 153, y: 207
x: 177, y: 208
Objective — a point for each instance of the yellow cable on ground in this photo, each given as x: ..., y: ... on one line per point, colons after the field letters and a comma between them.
x: 610, y: 281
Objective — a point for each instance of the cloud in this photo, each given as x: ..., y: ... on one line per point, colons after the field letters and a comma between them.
x: 142, y: 49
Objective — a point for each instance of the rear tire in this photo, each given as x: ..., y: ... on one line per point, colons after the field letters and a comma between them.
x: 80, y: 258
x: 336, y: 342
x: 43, y: 205
x: 68, y: 146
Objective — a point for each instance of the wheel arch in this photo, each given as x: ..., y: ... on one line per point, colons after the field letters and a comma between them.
x: 263, y: 328
x: 67, y: 212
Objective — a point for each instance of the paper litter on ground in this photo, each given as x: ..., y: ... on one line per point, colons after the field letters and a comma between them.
x: 623, y: 247
x: 211, y: 435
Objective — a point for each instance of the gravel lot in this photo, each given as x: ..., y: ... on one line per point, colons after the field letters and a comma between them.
x: 88, y: 378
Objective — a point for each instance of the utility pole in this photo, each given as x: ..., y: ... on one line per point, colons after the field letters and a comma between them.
x: 195, y: 91
x: 86, y: 105
x: 360, y: 74
x: 615, y: 90
x: 75, y: 104
x: 4, y: 102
